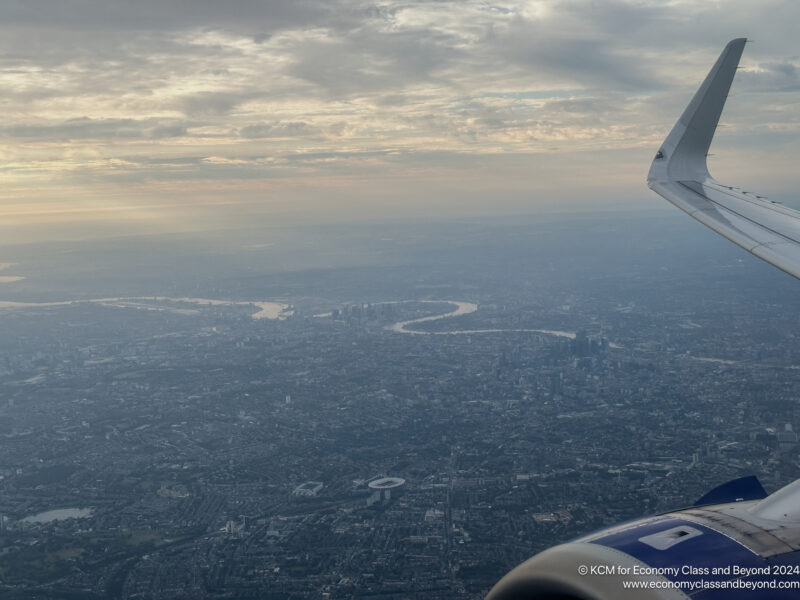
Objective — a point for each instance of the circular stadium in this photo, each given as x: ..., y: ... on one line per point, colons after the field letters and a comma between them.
x: 386, y: 483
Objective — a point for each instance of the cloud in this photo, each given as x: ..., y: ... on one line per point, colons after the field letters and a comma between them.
x: 200, y: 91
x: 213, y: 103
x: 292, y: 129
x: 164, y: 15
x: 778, y: 76
x: 580, y: 55
x: 85, y: 128
x: 374, y: 58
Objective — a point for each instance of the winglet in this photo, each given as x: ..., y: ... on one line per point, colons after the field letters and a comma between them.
x: 682, y: 156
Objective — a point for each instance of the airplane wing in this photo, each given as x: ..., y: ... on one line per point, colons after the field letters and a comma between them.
x: 679, y: 173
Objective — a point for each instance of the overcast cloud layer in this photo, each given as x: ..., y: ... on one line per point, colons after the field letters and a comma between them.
x: 153, y: 110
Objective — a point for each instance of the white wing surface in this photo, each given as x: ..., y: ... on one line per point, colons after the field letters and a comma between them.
x: 679, y: 173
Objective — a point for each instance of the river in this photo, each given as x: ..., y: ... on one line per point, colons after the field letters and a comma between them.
x: 59, y: 514
x: 265, y: 310
x: 463, y: 308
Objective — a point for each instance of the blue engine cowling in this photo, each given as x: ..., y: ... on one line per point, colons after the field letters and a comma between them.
x: 733, y: 550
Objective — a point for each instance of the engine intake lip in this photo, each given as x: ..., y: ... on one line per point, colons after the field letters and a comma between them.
x: 579, y: 571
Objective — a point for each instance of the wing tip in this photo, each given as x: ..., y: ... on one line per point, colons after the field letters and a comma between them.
x: 683, y: 153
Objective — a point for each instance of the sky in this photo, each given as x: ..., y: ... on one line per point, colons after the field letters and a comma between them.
x: 154, y: 116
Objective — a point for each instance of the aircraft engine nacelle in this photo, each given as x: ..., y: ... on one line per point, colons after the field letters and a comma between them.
x: 742, y: 548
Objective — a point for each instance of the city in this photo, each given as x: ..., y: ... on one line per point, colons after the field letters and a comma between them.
x: 358, y: 439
